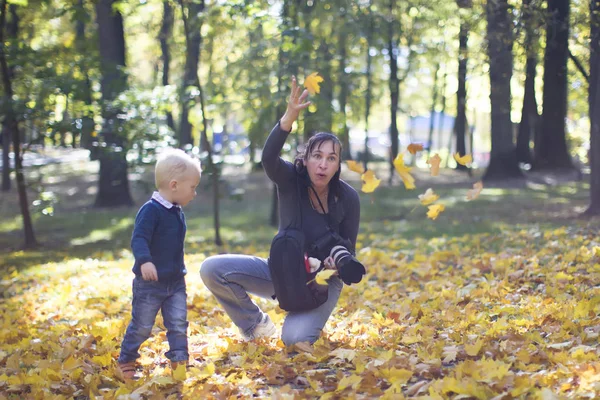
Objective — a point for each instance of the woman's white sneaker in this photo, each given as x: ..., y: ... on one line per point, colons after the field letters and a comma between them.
x: 264, y: 328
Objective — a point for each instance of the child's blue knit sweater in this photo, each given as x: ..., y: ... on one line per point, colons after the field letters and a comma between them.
x: 158, y: 237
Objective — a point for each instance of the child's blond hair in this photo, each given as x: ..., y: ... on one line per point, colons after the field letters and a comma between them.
x: 172, y: 164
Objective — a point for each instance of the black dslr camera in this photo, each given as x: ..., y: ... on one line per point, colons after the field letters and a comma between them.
x: 332, y: 244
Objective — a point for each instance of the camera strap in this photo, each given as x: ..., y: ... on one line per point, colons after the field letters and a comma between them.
x: 325, y: 215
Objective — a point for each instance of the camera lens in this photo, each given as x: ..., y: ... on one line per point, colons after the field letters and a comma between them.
x: 339, y: 255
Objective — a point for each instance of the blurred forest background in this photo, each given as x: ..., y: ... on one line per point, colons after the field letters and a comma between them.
x: 512, y: 83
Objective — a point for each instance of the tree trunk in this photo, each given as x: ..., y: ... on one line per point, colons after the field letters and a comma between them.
x: 551, y: 151
x: 460, y: 125
x: 192, y: 25
x: 594, y: 110
x: 5, y: 158
x: 503, y: 160
x: 113, y: 183
x: 87, y: 118
x: 12, y: 127
x: 442, y: 115
x: 166, y: 31
x: 394, y: 88
x: 529, y: 114
x: 434, y: 96
x: 369, y: 83
x: 12, y: 31
x: 343, y: 96
x: 213, y: 168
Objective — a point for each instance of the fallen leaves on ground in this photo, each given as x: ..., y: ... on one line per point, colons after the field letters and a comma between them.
x: 507, y: 315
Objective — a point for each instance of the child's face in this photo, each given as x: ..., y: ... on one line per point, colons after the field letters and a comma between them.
x: 184, y: 188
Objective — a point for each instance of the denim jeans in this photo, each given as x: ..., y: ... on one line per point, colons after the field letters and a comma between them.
x: 230, y: 277
x: 148, y: 298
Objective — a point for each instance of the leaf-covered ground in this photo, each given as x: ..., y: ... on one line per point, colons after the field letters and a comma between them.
x: 497, y: 298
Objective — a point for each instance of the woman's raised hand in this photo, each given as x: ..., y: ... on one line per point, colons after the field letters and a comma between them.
x: 296, y: 103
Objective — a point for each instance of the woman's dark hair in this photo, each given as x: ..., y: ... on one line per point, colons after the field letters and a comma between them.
x: 315, y: 142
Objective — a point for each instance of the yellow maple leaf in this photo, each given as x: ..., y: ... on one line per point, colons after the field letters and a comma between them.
x: 323, y: 275
x: 435, y: 164
x: 429, y: 197
x: 370, y: 182
x: 354, y: 166
x: 472, y: 194
x: 464, y: 160
x: 311, y: 83
x: 435, y: 210
x: 347, y: 381
x: 414, y: 147
x: 404, y: 172
x: 473, y: 349
x: 179, y: 373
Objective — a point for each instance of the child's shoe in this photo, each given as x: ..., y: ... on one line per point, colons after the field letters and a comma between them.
x: 126, y: 371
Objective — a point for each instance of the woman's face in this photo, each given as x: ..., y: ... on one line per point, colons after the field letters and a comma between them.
x: 322, y: 163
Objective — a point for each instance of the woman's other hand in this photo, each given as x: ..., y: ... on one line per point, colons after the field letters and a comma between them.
x: 296, y: 103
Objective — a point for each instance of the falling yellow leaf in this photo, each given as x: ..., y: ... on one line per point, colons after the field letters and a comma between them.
x: 472, y: 194
x: 435, y: 164
x: 354, y: 166
x: 370, y: 182
x: 323, y: 275
x: 311, y: 83
x: 429, y: 197
x: 414, y: 147
x: 404, y: 172
x: 435, y: 210
x: 464, y: 160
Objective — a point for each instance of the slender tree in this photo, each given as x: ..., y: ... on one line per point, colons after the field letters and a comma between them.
x: 12, y: 128
x: 460, y: 125
x: 393, y: 44
x: 12, y: 28
x: 85, y: 94
x: 191, y: 11
x: 113, y: 184
x: 551, y: 150
x: 528, y: 127
x: 166, y: 31
x: 192, y: 24
x: 434, y: 95
x: 503, y: 160
x: 594, y: 108
x: 368, y: 74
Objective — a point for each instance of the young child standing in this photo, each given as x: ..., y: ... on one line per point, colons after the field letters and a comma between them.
x: 158, y: 247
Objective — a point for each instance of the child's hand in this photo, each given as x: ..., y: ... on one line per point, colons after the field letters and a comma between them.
x: 149, y: 272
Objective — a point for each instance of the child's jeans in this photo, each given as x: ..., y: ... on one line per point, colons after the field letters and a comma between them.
x: 148, y: 298
x: 230, y: 277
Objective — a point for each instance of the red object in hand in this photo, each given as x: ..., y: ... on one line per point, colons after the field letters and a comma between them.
x: 306, y: 264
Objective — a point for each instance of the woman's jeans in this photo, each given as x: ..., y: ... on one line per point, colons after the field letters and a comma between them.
x: 230, y: 277
x: 148, y: 298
